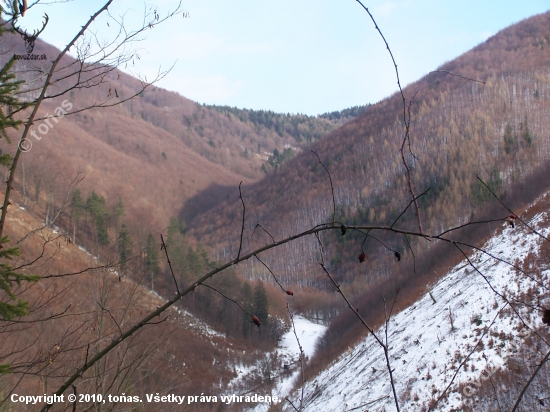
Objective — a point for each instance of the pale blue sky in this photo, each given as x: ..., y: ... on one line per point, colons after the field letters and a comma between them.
x: 297, y: 56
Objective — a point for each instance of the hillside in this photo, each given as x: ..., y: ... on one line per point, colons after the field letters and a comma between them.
x: 476, y: 334
x: 495, y: 127
x: 74, y: 315
x: 158, y: 145
x: 460, y: 129
x: 163, y: 164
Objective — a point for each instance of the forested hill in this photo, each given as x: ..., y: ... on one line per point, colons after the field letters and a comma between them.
x: 346, y: 114
x: 489, y: 119
x: 158, y: 133
x: 301, y: 127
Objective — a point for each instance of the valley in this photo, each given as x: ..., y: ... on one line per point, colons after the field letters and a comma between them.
x: 175, y: 241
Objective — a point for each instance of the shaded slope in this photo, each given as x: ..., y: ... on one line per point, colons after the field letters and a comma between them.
x: 75, y: 326
x: 460, y: 128
x: 155, y: 151
x: 465, y: 329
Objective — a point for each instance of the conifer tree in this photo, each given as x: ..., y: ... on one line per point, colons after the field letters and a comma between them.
x: 194, y: 262
x: 124, y: 246
x: 96, y: 207
x: 9, y: 308
x: 118, y: 211
x: 8, y: 101
x: 77, y: 208
x: 152, y: 258
x: 261, y: 304
x: 248, y: 307
x: 509, y: 140
x: 10, y: 305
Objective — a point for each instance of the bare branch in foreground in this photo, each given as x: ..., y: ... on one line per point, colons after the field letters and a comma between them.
x: 541, y: 364
x: 301, y: 359
x: 510, y: 210
x: 169, y: 263
x: 331, y: 187
x: 370, y: 329
x: 242, y: 227
x: 227, y: 297
x: 443, y: 394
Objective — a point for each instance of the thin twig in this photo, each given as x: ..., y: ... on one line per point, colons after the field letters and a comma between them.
x: 169, y: 263
x: 272, y: 274
x: 87, y: 350
x: 386, y: 346
x: 469, y: 224
x: 331, y: 187
x: 62, y: 275
x: 368, y: 403
x: 510, y: 210
x: 494, y: 389
x: 112, y: 317
x: 466, y: 359
x: 160, y: 321
x: 412, y: 251
x: 75, y: 398
x: 371, y: 331
x: 502, y: 296
x: 406, y: 121
x: 410, y: 203
x: 289, y: 401
x: 65, y: 203
x: 226, y: 297
x: 242, y: 227
x: 544, y: 360
x: 301, y: 355
x: 258, y: 225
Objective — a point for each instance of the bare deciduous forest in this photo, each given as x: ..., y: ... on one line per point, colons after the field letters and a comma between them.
x: 262, y: 216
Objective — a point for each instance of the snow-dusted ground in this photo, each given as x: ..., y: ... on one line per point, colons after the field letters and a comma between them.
x: 288, y: 353
x: 425, y: 350
x: 308, y: 333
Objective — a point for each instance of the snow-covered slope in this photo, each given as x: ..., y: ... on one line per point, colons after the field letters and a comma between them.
x: 429, y: 351
x: 287, y: 353
x: 308, y: 333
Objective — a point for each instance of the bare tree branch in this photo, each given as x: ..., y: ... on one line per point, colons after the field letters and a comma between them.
x: 331, y: 187
x: 169, y: 263
x: 301, y: 358
x: 533, y: 375
x: 510, y: 210
x: 242, y: 227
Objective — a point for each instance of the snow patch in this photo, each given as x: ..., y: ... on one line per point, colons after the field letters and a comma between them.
x: 426, y: 348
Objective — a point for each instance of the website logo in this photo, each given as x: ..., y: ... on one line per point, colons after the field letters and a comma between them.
x: 30, y: 39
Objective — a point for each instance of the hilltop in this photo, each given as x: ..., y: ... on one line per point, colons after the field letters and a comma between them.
x: 161, y: 163
x: 156, y: 146
x: 490, y: 120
